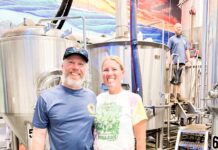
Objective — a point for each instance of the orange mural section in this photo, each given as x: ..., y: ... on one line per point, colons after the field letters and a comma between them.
x: 151, y: 11
x: 148, y: 11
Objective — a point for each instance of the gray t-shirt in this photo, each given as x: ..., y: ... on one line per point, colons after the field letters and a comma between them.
x: 178, y: 46
x: 68, y: 115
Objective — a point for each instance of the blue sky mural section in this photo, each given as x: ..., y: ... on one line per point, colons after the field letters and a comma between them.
x: 99, y: 23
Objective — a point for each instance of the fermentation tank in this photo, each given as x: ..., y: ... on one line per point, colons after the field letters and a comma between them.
x: 151, y: 72
x: 30, y: 61
x: 211, y: 55
x: 1, y: 91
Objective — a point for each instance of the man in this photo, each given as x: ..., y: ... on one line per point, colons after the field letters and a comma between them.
x: 67, y: 110
x: 180, y: 57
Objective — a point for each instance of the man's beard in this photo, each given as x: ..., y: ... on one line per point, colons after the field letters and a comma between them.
x: 67, y: 80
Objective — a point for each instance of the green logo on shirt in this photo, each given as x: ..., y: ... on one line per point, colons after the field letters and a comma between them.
x: 107, y: 121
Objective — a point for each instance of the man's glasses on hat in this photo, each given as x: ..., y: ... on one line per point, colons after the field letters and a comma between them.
x: 71, y: 50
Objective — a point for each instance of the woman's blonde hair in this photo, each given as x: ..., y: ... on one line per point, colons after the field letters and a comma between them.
x: 114, y: 58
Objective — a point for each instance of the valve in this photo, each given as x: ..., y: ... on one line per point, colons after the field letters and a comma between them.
x: 213, y: 93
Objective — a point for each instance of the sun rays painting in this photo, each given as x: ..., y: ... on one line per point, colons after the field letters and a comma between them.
x: 99, y: 14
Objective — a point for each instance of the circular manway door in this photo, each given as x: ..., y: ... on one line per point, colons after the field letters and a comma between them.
x: 48, y: 79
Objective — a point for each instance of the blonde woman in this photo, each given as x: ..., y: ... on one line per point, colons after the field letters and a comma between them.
x: 120, y: 116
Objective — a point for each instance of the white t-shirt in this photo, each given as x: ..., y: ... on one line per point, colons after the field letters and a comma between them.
x: 115, y: 117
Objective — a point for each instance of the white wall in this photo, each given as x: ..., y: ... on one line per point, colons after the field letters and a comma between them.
x: 197, y: 18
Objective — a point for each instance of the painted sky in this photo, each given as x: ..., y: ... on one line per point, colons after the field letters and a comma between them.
x: 100, y: 14
x: 148, y: 10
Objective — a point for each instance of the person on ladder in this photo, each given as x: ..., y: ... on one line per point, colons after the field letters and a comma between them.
x: 180, y: 57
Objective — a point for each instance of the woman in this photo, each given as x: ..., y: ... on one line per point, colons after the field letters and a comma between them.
x: 120, y: 115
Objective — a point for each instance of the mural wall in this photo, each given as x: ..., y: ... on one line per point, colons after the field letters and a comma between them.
x: 100, y: 15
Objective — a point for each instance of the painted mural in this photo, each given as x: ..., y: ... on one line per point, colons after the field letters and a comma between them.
x: 100, y: 15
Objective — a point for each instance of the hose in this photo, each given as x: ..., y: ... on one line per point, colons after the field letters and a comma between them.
x: 136, y: 75
x: 63, y: 11
x: 66, y: 12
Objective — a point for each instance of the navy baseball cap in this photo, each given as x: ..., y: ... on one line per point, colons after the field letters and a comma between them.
x: 73, y: 51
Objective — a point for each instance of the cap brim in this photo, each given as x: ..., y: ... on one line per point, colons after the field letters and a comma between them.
x: 84, y: 58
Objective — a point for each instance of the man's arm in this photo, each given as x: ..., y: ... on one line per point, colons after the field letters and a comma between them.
x: 39, y: 138
x: 140, y: 135
x: 168, y: 59
x: 189, y: 63
x: 187, y: 53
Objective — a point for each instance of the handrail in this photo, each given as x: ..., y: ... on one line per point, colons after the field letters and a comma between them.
x: 66, y: 18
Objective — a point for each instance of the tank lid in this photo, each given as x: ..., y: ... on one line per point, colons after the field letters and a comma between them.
x: 32, y: 30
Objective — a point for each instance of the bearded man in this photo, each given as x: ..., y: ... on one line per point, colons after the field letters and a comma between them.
x: 66, y: 110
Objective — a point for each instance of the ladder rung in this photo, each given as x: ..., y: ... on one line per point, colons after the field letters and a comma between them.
x: 191, y: 144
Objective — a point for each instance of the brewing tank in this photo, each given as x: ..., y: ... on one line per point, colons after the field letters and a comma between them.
x: 212, y: 66
x: 30, y: 61
x: 151, y: 72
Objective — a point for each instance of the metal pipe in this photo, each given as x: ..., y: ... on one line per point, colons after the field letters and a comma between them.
x: 204, y: 48
x: 121, y: 18
x: 62, y: 8
x: 67, y: 18
x: 197, y: 83
x: 158, y: 106
x: 5, y: 95
x: 168, y: 124
x: 162, y: 93
x: 136, y: 76
x: 63, y: 11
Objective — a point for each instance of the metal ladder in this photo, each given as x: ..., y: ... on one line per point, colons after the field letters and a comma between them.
x: 194, y: 136
x: 187, y: 113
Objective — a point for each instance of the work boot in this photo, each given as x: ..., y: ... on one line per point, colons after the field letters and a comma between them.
x: 179, y: 98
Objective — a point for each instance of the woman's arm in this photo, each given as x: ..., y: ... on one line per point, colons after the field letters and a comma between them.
x: 140, y: 135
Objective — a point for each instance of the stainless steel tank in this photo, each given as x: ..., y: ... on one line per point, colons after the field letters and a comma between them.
x: 211, y: 65
x: 150, y: 65
x: 1, y: 91
x: 30, y: 58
